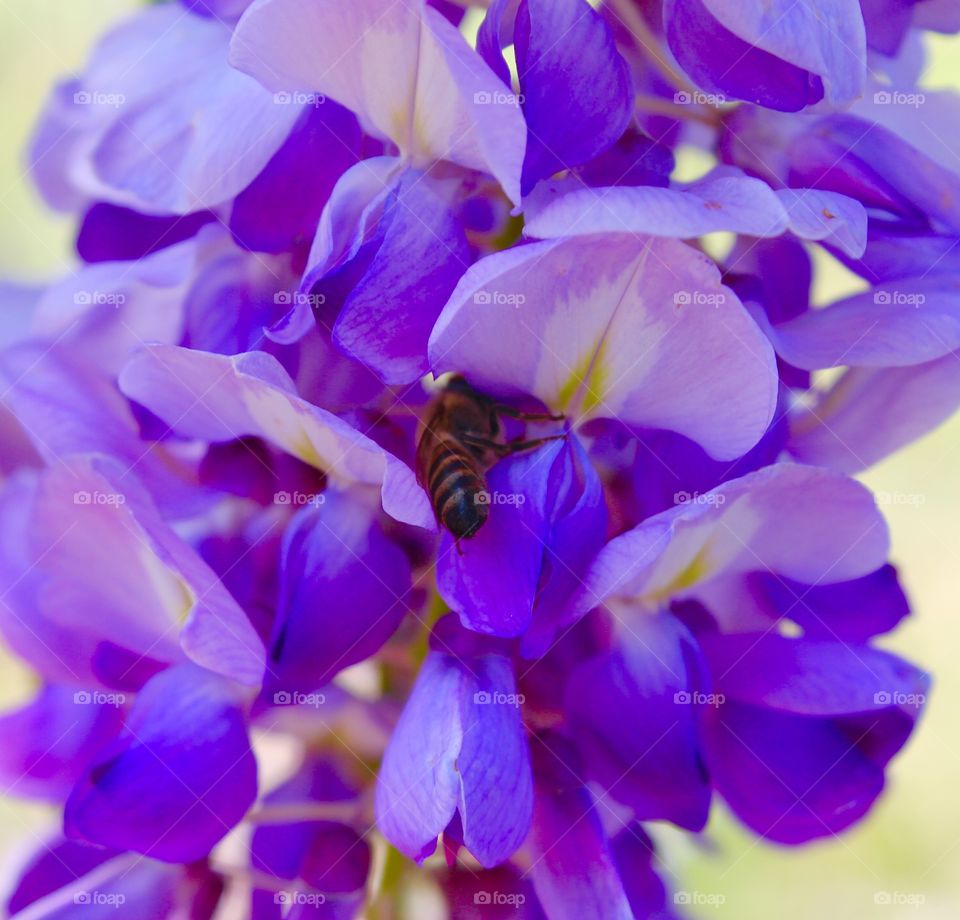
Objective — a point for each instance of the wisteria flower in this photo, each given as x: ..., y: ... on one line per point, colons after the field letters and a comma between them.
x: 423, y: 491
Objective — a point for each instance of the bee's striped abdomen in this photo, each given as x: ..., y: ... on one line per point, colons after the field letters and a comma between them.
x: 457, y: 489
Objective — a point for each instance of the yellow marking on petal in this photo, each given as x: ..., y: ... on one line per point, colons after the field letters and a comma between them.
x: 699, y: 569
x: 403, y: 126
x: 189, y: 601
x: 695, y: 572
x: 175, y: 595
x: 596, y: 386
x: 303, y: 449
x: 588, y: 378
x: 574, y: 381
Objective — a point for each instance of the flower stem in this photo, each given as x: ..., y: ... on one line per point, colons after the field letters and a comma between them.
x: 290, y: 813
x: 632, y: 20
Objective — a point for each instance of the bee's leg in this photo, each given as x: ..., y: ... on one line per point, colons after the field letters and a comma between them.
x: 527, y: 416
x: 510, y: 447
x: 515, y: 447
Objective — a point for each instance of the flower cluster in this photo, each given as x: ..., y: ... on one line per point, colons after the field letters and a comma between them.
x: 273, y: 674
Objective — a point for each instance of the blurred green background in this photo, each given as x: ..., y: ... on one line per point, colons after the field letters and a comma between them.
x: 905, y: 860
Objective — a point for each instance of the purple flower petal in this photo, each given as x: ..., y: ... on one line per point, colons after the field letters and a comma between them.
x: 76, y: 606
x: 217, y: 9
x: 776, y: 277
x: 56, y: 863
x: 577, y: 90
x: 614, y: 326
x: 459, y: 748
x: 495, y: 34
x: 216, y: 398
x: 799, y: 746
x: 573, y: 870
x: 869, y: 413
x: 493, y: 585
x: 279, y: 210
x: 84, y: 889
x: 503, y: 893
x: 179, y: 778
x: 783, y: 268
x: 814, y: 677
x: 635, y: 159
x: 664, y: 469
x: 899, y: 250
x: 168, y: 126
x: 232, y: 296
x: 111, y: 308
x: 652, y: 764
x: 326, y: 857
x: 402, y: 68
x: 337, y: 864
x: 853, y: 611
x: 898, y: 323
x: 574, y: 510
x: 419, y: 787
x: 886, y: 23
x: 866, y: 161
x: 727, y: 202
x: 634, y: 853
x: 387, y: 317
x: 112, y: 233
x: 817, y: 215
x: 723, y: 202
x: 344, y: 591
x: 50, y: 740
x: 68, y: 407
x: 748, y: 524
x: 938, y: 15
x: 728, y: 65
x: 827, y: 39
x: 347, y: 222
x: 52, y: 150
x: 547, y: 520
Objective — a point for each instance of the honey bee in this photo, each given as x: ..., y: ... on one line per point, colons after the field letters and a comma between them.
x: 460, y: 442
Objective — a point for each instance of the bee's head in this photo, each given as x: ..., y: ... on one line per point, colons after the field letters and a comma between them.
x: 457, y: 383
